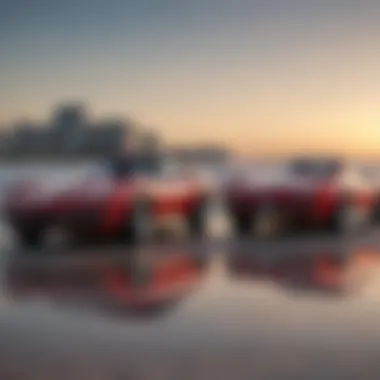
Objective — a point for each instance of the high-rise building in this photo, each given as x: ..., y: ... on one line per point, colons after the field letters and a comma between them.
x: 69, y: 124
x: 69, y: 117
x: 3, y: 141
x: 24, y: 137
x: 70, y: 133
x: 111, y: 135
x: 149, y: 141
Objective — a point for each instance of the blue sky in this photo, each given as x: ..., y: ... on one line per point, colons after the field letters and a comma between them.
x: 279, y: 74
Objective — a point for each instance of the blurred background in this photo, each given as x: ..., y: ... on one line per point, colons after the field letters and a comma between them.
x: 231, y: 91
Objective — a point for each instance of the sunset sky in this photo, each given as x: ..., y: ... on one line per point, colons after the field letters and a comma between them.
x: 261, y: 76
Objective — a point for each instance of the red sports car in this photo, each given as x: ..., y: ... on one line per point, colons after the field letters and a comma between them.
x: 313, y: 192
x: 120, y: 201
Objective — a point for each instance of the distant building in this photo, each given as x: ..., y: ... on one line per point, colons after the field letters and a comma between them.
x: 70, y: 133
x: 68, y: 125
x: 23, y: 138
x: 46, y: 145
x: 202, y: 154
x: 110, y: 136
x: 149, y: 141
x: 69, y: 117
x: 3, y: 142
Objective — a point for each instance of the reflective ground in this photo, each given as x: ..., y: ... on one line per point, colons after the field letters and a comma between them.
x: 305, y: 308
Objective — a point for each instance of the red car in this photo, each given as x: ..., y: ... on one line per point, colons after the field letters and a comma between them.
x: 119, y: 202
x: 305, y: 192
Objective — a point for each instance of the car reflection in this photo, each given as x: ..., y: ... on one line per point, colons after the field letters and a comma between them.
x: 335, y: 271
x: 147, y: 282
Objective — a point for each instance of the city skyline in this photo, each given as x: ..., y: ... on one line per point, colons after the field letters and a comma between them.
x: 266, y: 78
x: 70, y: 131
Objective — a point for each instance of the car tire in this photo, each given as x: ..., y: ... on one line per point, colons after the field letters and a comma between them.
x: 57, y: 238
x: 345, y: 219
x: 242, y: 224
x: 375, y: 215
x: 139, y: 227
x: 267, y: 223
x: 30, y: 239
x: 197, y: 220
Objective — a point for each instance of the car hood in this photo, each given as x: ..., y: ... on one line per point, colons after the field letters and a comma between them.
x: 275, y: 182
x: 88, y: 188
x: 34, y: 193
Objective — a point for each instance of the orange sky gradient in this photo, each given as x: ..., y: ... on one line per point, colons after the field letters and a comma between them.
x: 279, y: 86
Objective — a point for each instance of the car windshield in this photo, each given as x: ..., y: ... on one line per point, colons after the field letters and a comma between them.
x: 314, y: 168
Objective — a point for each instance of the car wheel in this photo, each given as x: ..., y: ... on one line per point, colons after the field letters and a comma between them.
x: 56, y: 238
x: 139, y: 228
x: 242, y: 224
x: 30, y: 239
x: 375, y: 215
x: 197, y: 220
x: 347, y: 219
x: 267, y: 222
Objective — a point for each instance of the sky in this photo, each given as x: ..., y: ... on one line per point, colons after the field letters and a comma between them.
x: 263, y: 77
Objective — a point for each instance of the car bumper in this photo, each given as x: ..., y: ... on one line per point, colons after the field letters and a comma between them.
x: 80, y: 221
x: 306, y: 208
x: 27, y: 220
